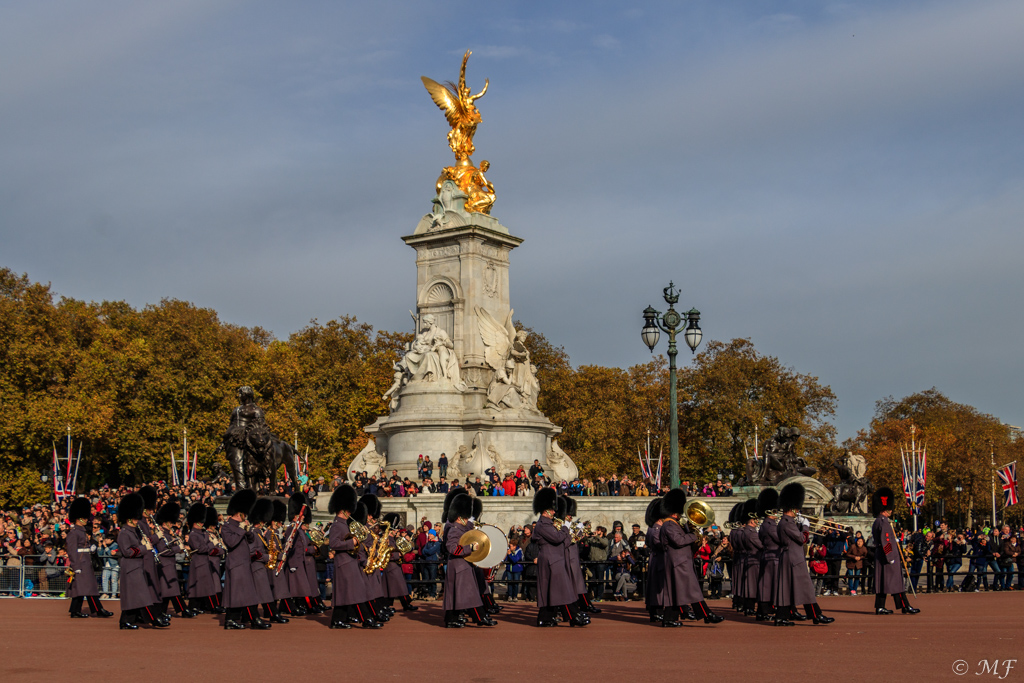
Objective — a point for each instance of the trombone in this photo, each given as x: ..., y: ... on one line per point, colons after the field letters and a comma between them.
x: 819, y: 524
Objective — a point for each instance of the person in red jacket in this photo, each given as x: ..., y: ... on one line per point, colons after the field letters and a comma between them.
x: 509, y: 485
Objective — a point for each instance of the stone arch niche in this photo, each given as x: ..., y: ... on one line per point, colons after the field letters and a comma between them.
x: 439, y: 301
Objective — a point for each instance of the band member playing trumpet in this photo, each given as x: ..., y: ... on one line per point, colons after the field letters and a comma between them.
x: 556, y: 594
x: 681, y: 585
x: 768, y: 569
x: 138, y: 593
x: 461, y: 589
x: 168, y: 545
x: 394, y: 579
x: 150, y: 561
x: 794, y: 584
x: 294, y: 571
x: 888, y: 560
x: 83, y: 580
x: 579, y: 583
x: 240, y: 597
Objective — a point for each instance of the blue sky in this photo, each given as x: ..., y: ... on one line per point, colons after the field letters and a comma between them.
x: 840, y: 182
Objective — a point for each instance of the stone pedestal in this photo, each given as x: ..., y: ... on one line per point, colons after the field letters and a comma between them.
x: 462, y: 287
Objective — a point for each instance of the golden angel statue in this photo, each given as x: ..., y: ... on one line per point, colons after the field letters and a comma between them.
x: 457, y: 103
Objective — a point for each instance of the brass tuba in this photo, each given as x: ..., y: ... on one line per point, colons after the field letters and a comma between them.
x: 379, y: 554
x: 403, y: 544
x: 701, y: 516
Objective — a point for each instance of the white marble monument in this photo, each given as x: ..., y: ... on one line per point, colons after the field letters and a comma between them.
x: 465, y: 386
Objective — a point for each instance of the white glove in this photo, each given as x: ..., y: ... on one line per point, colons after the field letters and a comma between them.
x: 892, y: 561
x: 78, y: 571
x: 92, y: 548
x: 292, y: 569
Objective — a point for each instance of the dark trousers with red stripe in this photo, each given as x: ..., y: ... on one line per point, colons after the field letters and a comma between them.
x: 250, y: 614
x: 147, y: 615
x: 94, y: 604
x: 475, y: 614
x: 567, y: 612
x: 176, y: 602
x: 900, y: 599
x: 675, y: 613
x: 360, y: 611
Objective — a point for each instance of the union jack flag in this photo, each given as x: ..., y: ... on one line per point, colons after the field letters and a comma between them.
x: 1008, y: 479
x: 922, y: 478
x: 908, y: 491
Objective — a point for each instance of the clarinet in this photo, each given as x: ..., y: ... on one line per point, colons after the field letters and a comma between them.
x: 289, y: 542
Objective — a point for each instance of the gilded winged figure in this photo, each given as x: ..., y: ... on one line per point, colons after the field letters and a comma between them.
x: 457, y: 103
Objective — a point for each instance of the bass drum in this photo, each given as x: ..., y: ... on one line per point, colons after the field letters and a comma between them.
x: 498, y: 547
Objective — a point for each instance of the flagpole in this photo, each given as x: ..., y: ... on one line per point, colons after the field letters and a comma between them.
x: 78, y: 462
x: 992, y: 457
x: 67, y: 476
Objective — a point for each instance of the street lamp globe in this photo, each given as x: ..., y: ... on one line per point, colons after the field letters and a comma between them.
x: 693, y: 333
x: 650, y: 333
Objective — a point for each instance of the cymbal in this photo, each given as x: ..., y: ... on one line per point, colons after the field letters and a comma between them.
x: 482, y: 541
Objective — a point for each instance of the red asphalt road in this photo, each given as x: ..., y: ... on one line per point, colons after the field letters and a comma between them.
x: 38, y: 642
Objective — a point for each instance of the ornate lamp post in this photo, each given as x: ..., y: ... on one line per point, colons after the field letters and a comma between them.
x: 671, y: 322
x: 959, y: 488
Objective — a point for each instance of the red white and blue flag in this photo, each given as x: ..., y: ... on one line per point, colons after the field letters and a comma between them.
x: 922, y: 478
x: 1008, y: 480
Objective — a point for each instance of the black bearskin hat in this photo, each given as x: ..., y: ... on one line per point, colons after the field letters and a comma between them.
x: 307, y: 516
x: 80, y: 508
x: 792, y: 496
x: 262, y: 511
x: 359, y: 514
x: 241, y: 502
x: 675, y: 502
x: 169, y: 512
x: 448, y: 498
x: 570, y: 505
x: 392, y: 518
x: 462, y: 506
x: 211, y: 517
x: 767, y: 500
x: 148, y: 494
x: 130, y: 508
x: 478, y: 508
x: 295, y: 504
x: 342, y: 500
x: 372, y: 504
x: 654, y: 512
x: 280, y: 511
x: 749, y: 510
x: 195, y: 515
x: 883, y: 499
x: 545, y: 499
x: 560, y: 507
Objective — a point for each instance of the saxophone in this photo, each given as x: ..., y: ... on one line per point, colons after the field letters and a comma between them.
x: 273, y: 547
x: 380, y: 552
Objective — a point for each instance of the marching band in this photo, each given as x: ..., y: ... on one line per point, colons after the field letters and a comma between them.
x: 268, y: 552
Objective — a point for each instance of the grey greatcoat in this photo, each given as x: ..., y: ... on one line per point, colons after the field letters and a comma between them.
x: 149, y: 561
x: 394, y: 579
x: 769, y: 567
x: 461, y: 590
x: 655, y: 567
x: 737, y: 572
x: 576, y: 570
x: 203, y: 578
x: 260, y: 572
x: 239, y: 588
x: 294, y: 566
x: 681, y: 586
x: 752, y: 562
x: 554, y: 584
x: 309, y: 564
x: 794, y: 586
x: 80, y: 560
x: 137, y: 590
x: 349, y: 582
x: 888, y: 565
x: 167, y: 546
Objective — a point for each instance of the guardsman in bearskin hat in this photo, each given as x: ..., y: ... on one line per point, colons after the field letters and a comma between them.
x: 360, y: 611
x: 203, y: 583
x: 147, y: 525
x: 461, y: 587
x: 216, y: 557
x: 394, y: 579
x: 168, y: 545
x: 681, y: 585
x: 752, y: 556
x: 278, y: 582
x: 138, y: 593
x: 80, y: 548
x: 490, y: 606
x: 888, y: 561
x: 454, y: 491
x: 313, y: 602
x: 768, y: 569
x: 556, y: 594
x: 240, y: 597
x: 375, y: 580
x: 736, y: 563
x: 349, y: 595
x: 260, y: 514
x: 294, y: 572
x: 653, y: 518
x: 583, y: 603
x: 794, y: 581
